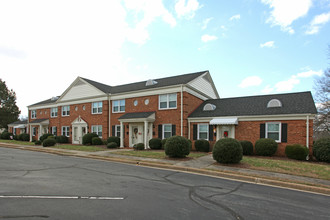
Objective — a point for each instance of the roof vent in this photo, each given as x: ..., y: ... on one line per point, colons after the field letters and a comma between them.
x: 54, y: 98
x: 151, y: 82
x: 274, y: 103
x: 209, y: 107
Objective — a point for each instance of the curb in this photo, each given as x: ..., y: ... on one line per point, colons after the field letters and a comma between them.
x: 221, y: 174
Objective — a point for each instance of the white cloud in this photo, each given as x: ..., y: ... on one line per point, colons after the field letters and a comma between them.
x: 317, y: 23
x: 267, y: 90
x: 309, y: 73
x: 269, y: 44
x: 205, y: 23
x: 235, y: 17
x: 187, y: 9
x: 285, y: 12
x: 206, y: 38
x: 250, y: 81
x: 285, y: 86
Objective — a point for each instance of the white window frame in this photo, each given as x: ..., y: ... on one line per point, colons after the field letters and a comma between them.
x: 33, y: 114
x: 54, y: 112
x: 167, y: 96
x: 96, y: 129
x: 117, y: 130
x: 279, y: 130
x: 207, y: 131
x: 14, y: 131
x: 67, y: 111
x: 118, y: 104
x: 53, y: 130
x: 34, y: 131
x: 163, y: 129
x: 65, y: 131
x: 98, y: 107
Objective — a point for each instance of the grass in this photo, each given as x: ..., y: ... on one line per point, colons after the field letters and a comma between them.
x: 154, y: 154
x: 79, y: 147
x: 16, y: 142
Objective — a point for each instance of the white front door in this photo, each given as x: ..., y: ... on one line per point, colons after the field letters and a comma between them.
x: 227, y: 131
x: 137, y: 134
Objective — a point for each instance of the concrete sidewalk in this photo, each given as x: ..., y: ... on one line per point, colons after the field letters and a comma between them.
x: 203, y: 165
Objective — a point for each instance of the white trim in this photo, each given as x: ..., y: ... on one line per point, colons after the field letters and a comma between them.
x: 51, y: 112
x: 163, y: 130
x: 279, y: 130
x: 33, y: 116
x: 168, y: 101
x: 118, y: 100
x: 207, y: 135
x: 97, y: 108
x: 68, y: 110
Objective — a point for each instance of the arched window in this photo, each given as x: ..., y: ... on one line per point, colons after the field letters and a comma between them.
x: 274, y: 103
x: 209, y: 107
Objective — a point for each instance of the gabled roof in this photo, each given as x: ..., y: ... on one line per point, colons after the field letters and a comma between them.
x: 47, y: 101
x: 292, y: 103
x: 104, y: 88
x: 18, y: 123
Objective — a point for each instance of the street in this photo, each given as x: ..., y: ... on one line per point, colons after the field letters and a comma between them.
x: 36, y: 185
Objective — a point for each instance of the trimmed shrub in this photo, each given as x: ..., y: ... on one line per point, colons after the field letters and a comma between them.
x: 247, y: 147
x: 114, y: 139
x: 202, y: 145
x: 44, y: 137
x: 139, y: 146
x: 61, y: 139
x: 97, y: 141
x: 87, y: 138
x: 321, y: 150
x: 155, y: 143
x: 227, y: 150
x: 266, y: 147
x: 37, y: 143
x: 16, y: 137
x: 49, y: 142
x: 112, y: 145
x: 190, y: 144
x: 24, y: 137
x: 163, y: 143
x: 177, y: 146
x: 6, y: 135
x: 296, y: 151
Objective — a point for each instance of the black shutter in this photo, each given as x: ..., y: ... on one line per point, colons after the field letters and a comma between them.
x: 173, y: 130
x: 262, y: 130
x: 113, y: 130
x: 284, y: 133
x: 160, y: 131
x: 211, y: 133
x: 195, y: 132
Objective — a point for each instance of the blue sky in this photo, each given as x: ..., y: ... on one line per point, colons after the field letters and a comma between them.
x: 250, y: 47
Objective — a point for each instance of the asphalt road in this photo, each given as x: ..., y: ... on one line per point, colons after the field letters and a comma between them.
x: 37, y: 185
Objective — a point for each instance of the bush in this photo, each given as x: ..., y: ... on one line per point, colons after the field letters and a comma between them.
x: 114, y: 139
x: 112, y: 145
x: 202, y: 145
x: 87, y: 138
x: 155, y: 143
x: 6, y: 135
x: 266, y: 147
x: 321, y: 149
x: 97, y: 141
x: 49, y: 142
x: 177, y: 146
x: 24, y: 137
x: 163, y: 142
x: 37, y: 143
x: 247, y: 147
x: 296, y: 151
x: 16, y: 137
x: 44, y: 137
x: 227, y: 150
x: 139, y: 146
x: 61, y: 139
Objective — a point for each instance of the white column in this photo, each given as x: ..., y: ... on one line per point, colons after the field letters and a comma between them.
x: 307, y: 136
x: 146, y: 143
x: 121, y: 134
x: 40, y: 130
x: 218, y: 132
x: 181, y: 126
x: 30, y: 133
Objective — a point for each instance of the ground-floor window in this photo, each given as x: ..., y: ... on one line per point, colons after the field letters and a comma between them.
x: 14, y: 131
x: 167, y: 131
x: 97, y: 129
x: 117, y: 130
x: 34, y: 131
x: 203, y: 131
x: 273, y: 131
x: 54, y: 130
x: 66, y: 131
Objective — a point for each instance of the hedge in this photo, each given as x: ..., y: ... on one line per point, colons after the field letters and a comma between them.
x: 139, y: 146
x: 114, y: 139
x: 227, y: 150
x: 155, y: 143
x: 266, y: 147
x: 296, y: 151
x: 202, y: 145
x: 87, y: 138
x: 112, y: 145
x: 97, y: 141
x: 321, y: 150
x: 247, y: 147
x: 177, y: 146
x: 49, y: 142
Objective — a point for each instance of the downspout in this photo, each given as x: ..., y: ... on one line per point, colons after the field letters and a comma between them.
x: 109, y: 110
x: 181, y: 110
x: 307, y: 135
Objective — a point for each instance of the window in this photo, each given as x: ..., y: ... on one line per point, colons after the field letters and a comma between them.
x: 54, y: 130
x: 117, y: 130
x: 273, y: 131
x: 53, y: 112
x: 167, y: 101
x: 66, y: 131
x: 33, y: 114
x: 96, y: 107
x: 167, y: 131
x: 97, y: 129
x: 203, y: 131
x: 118, y: 106
x: 34, y: 131
x: 66, y: 110
x: 14, y: 131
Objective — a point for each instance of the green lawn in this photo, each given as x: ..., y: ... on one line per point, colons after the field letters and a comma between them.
x: 79, y: 147
x: 154, y: 154
x: 16, y: 142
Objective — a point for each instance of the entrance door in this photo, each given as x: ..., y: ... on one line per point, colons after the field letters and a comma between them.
x: 137, y: 134
x: 75, y: 135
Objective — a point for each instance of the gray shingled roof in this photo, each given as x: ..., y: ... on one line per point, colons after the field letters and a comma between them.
x: 19, y: 122
x: 47, y: 101
x: 38, y: 120
x: 292, y: 103
x: 136, y: 115
x: 104, y: 88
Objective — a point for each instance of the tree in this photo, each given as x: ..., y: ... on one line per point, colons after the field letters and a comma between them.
x: 9, y: 111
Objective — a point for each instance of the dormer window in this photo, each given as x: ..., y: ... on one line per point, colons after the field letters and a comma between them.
x: 274, y: 103
x: 209, y: 107
x: 151, y: 82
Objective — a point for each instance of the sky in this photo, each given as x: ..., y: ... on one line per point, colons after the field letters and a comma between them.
x: 250, y: 47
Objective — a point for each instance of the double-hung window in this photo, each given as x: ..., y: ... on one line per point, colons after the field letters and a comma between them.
x: 203, y: 131
x: 168, y: 101
x: 33, y: 114
x: 97, y: 129
x: 66, y: 110
x: 273, y: 131
x: 66, y: 131
x: 53, y: 112
x: 34, y: 131
x: 167, y: 131
x: 54, y: 130
x: 97, y: 107
x: 118, y: 105
x: 117, y: 130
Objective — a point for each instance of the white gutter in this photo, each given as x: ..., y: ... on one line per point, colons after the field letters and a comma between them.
x: 109, y: 110
x: 307, y: 135
x: 181, y: 110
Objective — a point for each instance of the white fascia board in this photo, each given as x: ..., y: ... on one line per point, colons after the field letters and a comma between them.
x: 208, y: 75
x: 196, y: 93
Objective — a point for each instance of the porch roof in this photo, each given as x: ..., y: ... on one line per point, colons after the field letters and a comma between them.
x: 137, y: 116
x: 224, y: 121
x: 43, y: 121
